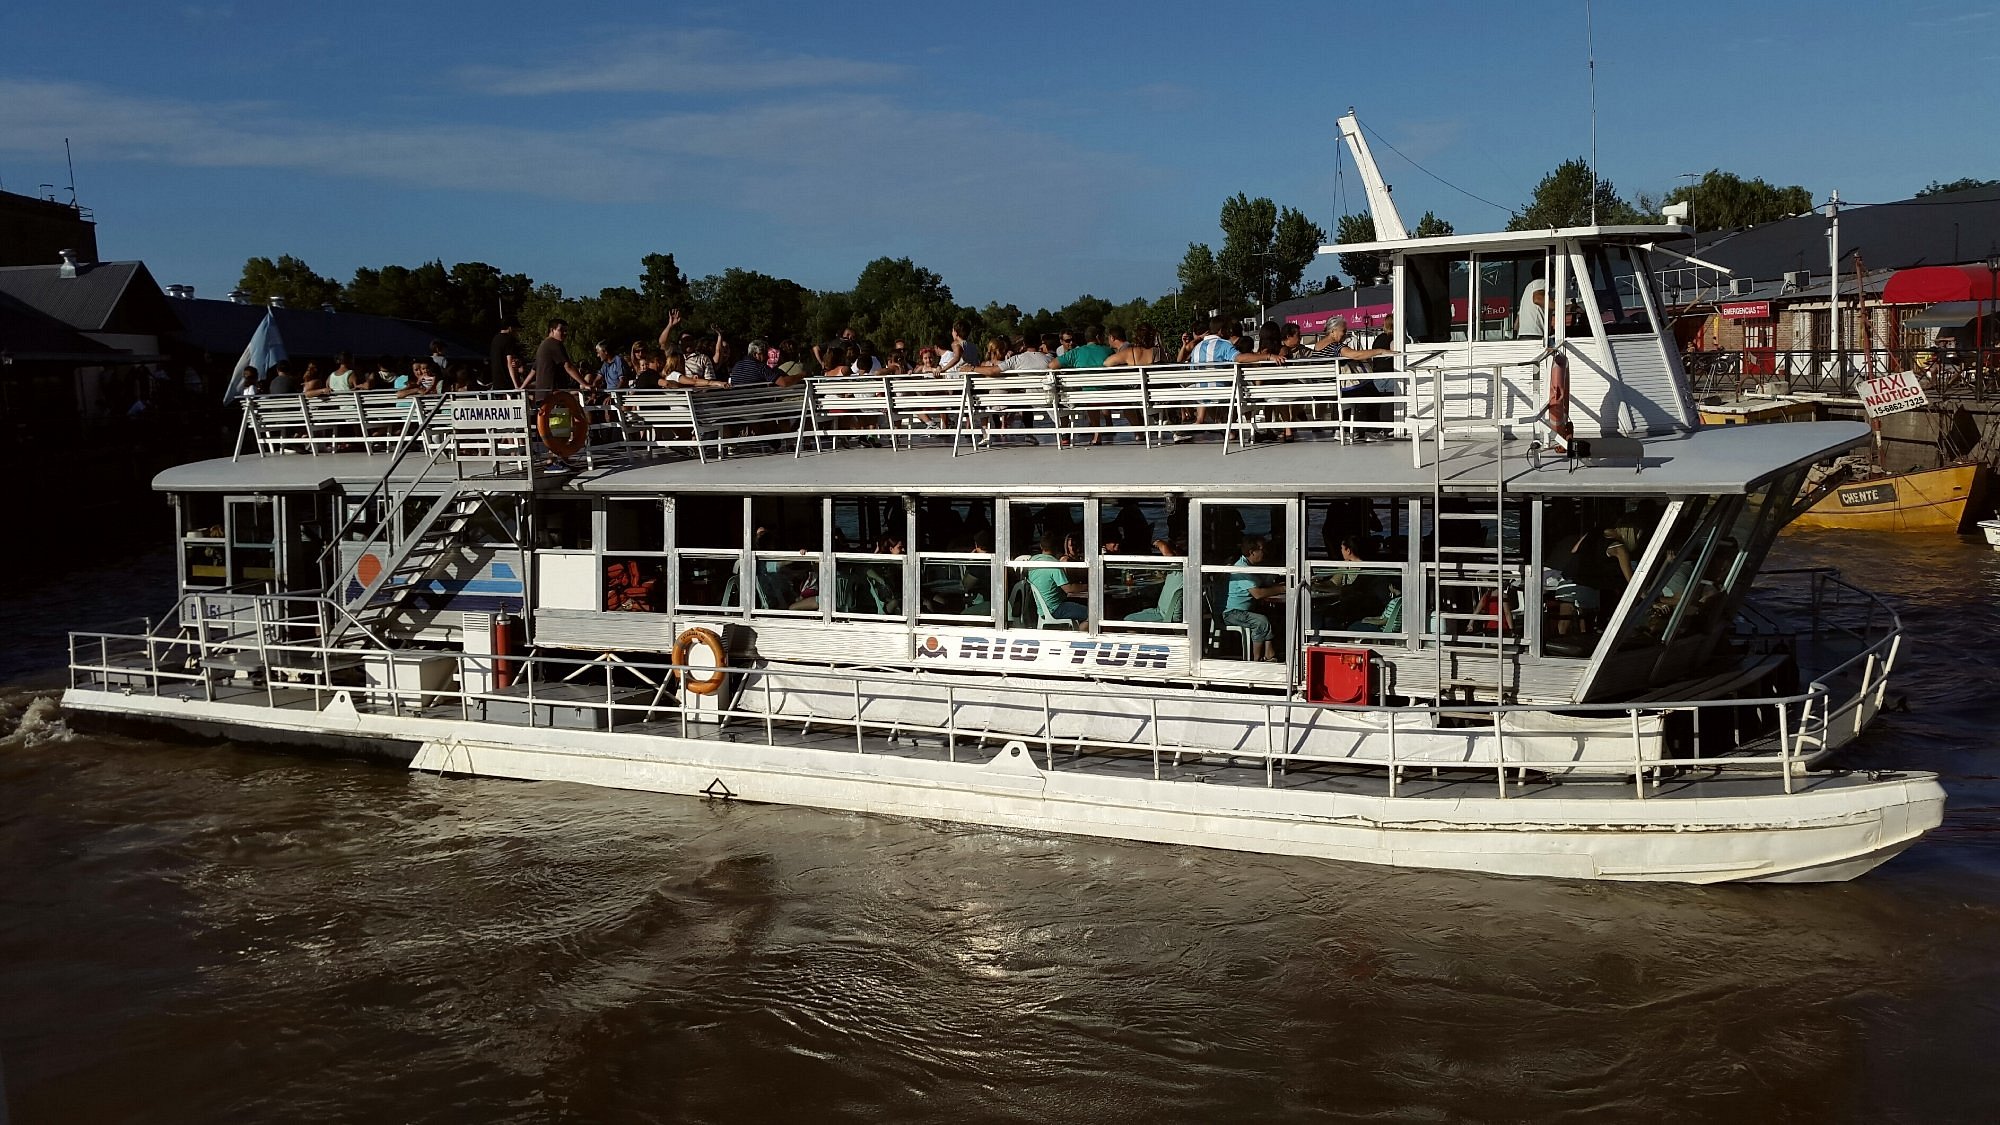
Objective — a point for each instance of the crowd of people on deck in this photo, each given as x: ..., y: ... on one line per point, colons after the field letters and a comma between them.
x: 683, y: 359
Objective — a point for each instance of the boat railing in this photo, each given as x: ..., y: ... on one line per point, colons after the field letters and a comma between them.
x: 277, y: 668
x: 1855, y: 633
x: 1237, y: 405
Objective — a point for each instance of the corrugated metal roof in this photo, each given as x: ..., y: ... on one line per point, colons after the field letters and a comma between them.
x: 102, y: 297
x: 29, y: 335
x: 1935, y: 230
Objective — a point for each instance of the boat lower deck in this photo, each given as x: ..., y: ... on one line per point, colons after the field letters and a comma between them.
x: 238, y: 702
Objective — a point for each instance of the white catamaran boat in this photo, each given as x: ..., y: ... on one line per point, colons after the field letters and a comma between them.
x: 1468, y: 623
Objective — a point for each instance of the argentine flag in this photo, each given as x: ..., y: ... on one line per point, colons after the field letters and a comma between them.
x: 265, y: 350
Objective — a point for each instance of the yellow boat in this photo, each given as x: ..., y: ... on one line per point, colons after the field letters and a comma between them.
x: 1749, y: 412
x: 1928, y: 500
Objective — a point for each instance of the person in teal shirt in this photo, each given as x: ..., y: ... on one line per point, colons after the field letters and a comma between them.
x: 1051, y: 588
x: 1240, y: 606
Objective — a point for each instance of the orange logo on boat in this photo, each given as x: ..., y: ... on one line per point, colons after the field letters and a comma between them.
x: 368, y: 569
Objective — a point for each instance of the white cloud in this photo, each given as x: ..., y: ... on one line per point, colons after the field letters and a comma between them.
x: 682, y: 62
x: 865, y: 163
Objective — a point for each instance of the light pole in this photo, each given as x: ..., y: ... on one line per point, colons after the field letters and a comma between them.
x: 1992, y: 279
x: 1696, y: 177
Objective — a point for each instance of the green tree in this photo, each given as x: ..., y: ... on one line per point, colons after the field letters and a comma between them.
x: 1726, y: 201
x: 289, y: 279
x: 662, y: 289
x: 999, y: 320
x: 894, y: 298
x: 1363, y: 266
x: 1966, y: 184
x: 1563, y: 199
x: 1265, y: 249
x: 1203, y: 285
x: 1084, y: 312
x: 1430, y: 226
x: 827, y: 312
x: 744, y: 303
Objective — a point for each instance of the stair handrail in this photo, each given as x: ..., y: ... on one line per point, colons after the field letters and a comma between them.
x: 426, y: 410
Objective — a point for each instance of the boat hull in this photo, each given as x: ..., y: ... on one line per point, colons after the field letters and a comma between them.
x: 1834, y: 827
x: 1931, y: 500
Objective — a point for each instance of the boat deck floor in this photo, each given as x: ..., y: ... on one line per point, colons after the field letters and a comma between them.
x: 1182, y: 766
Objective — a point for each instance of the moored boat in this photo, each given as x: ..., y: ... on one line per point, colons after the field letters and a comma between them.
x: 1526, y: 629
x: 1924, y: 500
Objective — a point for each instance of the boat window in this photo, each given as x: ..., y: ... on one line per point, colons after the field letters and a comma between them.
x: 492, y: 524
x: 253, y: 540
x: 870, y: 544
x: 708, y: 522
x: 957, y: 575
x: 635, y: 525
x: 1142, y: 541
x: 1244, y: 580
x: 1435, y: 286
x: 1048, y: 575
x: 1513, y: 297
x: 1589, y: 547
x: 707, y: 580
x: 1617, y: 279
x: 1357, y: 548
x: 635, y: 544
x: 204, y: 564
x: 562, y: 525
x: 365, y: 512
x: 789, y: 549
x: 1699, y: 523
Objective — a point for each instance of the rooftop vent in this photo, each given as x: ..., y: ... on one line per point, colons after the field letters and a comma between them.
x: 68, y: 268
x: 238, y: 297
x: 183, y: 292
x: 276, y: 301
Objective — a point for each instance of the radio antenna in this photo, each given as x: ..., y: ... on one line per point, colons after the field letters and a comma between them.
x: 71, y: 161
x: 1590, y: 53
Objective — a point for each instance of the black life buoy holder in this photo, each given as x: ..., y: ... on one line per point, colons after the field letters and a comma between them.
x: 563, y: 424
x: 684, y: 647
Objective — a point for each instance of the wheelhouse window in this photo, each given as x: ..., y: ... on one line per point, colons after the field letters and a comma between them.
x: 253, y: 540
x: 1618, y: 281
x: 956, y: 559
x: 1048, y: 575
x: 204, y: 547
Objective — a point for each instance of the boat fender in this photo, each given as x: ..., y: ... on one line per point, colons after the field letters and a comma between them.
x: 1559, y: 400
x: 563, y: 424
x: 684, y: 646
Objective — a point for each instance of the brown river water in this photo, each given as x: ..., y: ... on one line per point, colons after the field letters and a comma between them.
x: 214, y: 933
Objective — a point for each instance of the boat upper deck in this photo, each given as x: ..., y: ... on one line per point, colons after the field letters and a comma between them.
x: 946, y: 435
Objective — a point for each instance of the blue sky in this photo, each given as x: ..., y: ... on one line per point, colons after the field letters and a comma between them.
x: 1027, y: 152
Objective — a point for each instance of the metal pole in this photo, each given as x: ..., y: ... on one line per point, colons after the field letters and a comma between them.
x: 1833, y: 287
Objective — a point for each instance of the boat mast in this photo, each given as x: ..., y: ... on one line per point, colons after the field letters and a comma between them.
x: 1388, y: 224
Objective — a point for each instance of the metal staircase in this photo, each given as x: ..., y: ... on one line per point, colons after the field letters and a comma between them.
x: 1473, y: 580
x: 399, y: 572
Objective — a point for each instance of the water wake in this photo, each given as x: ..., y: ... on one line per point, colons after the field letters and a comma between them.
x: 38, y: 722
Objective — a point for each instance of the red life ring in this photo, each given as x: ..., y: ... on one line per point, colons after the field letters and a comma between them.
x: 1559, y: 423
x: 684, y: 646
x: 563, y: 424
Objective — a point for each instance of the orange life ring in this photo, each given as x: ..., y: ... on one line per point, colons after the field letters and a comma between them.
x: 684, y: 646
x: 563, y: 424
x: 1559, y: 400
